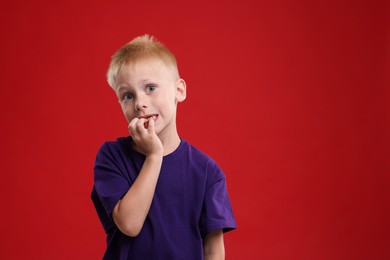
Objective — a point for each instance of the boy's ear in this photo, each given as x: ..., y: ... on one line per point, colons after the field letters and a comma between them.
x: 181, y: 91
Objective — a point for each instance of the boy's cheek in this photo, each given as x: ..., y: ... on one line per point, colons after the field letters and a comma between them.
x: 128, y: 117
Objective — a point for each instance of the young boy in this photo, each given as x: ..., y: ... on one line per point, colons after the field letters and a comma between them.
x: 157, y: 196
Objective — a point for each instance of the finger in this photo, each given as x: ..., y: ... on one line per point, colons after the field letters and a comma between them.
x: 140, y: 125
x: 132, y: 126
x: 151, y: 125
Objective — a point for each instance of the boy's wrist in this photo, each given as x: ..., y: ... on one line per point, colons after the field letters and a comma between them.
x: 155, y: 156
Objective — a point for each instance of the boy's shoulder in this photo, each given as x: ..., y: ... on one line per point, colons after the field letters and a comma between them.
x: 196, y: 152
x: 124, y: 142
x: 201, y: 158
x: 115, y: 148
x: 119, y: 143
x: 122, y: 145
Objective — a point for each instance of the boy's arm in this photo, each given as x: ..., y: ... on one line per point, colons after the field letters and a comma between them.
x: 213, y: 246
x: 130, y: 212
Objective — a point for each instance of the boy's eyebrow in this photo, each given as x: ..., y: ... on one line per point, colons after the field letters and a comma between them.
x: 147, y: 80
x: 120, y: 87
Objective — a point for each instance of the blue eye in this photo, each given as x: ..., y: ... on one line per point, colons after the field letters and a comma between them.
x: 151, y: 88
x: 128, y: 96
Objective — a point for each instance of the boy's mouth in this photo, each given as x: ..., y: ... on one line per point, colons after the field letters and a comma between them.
x: 148, y: 117
x: 154, y: 116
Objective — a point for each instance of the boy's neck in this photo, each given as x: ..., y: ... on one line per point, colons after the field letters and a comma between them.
x: 170, y: 143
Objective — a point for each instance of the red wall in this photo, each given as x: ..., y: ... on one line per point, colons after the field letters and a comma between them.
x: 291, y: 98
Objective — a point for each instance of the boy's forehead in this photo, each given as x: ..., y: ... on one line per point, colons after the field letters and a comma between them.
x: 143, y: 69
x: 148, y: 66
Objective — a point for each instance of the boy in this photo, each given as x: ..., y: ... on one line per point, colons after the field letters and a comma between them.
x: 157, y: 196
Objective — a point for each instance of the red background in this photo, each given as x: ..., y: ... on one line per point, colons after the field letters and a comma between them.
x: 291, y: 98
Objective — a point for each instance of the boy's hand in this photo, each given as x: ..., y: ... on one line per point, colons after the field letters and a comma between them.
x: 130, y: 212
x: 144, y: 136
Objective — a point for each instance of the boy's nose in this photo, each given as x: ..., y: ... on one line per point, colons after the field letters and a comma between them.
x: 139, y: 108
x: 140, y: 103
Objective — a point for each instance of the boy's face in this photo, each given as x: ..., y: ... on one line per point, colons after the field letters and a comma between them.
x: 148, y: 88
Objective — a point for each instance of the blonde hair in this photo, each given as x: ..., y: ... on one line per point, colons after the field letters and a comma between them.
x: 141, y: 47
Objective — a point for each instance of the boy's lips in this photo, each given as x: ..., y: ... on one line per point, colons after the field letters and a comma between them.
x: 154, y: 116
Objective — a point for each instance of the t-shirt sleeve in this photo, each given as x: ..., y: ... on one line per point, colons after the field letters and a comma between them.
x: 217, y: 211
x: 110, y: 184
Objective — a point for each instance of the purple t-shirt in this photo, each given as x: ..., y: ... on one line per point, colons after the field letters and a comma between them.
x: 190, y: 201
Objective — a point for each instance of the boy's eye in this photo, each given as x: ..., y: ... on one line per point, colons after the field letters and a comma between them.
x: 127, y: 97
x: 150, y: 87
